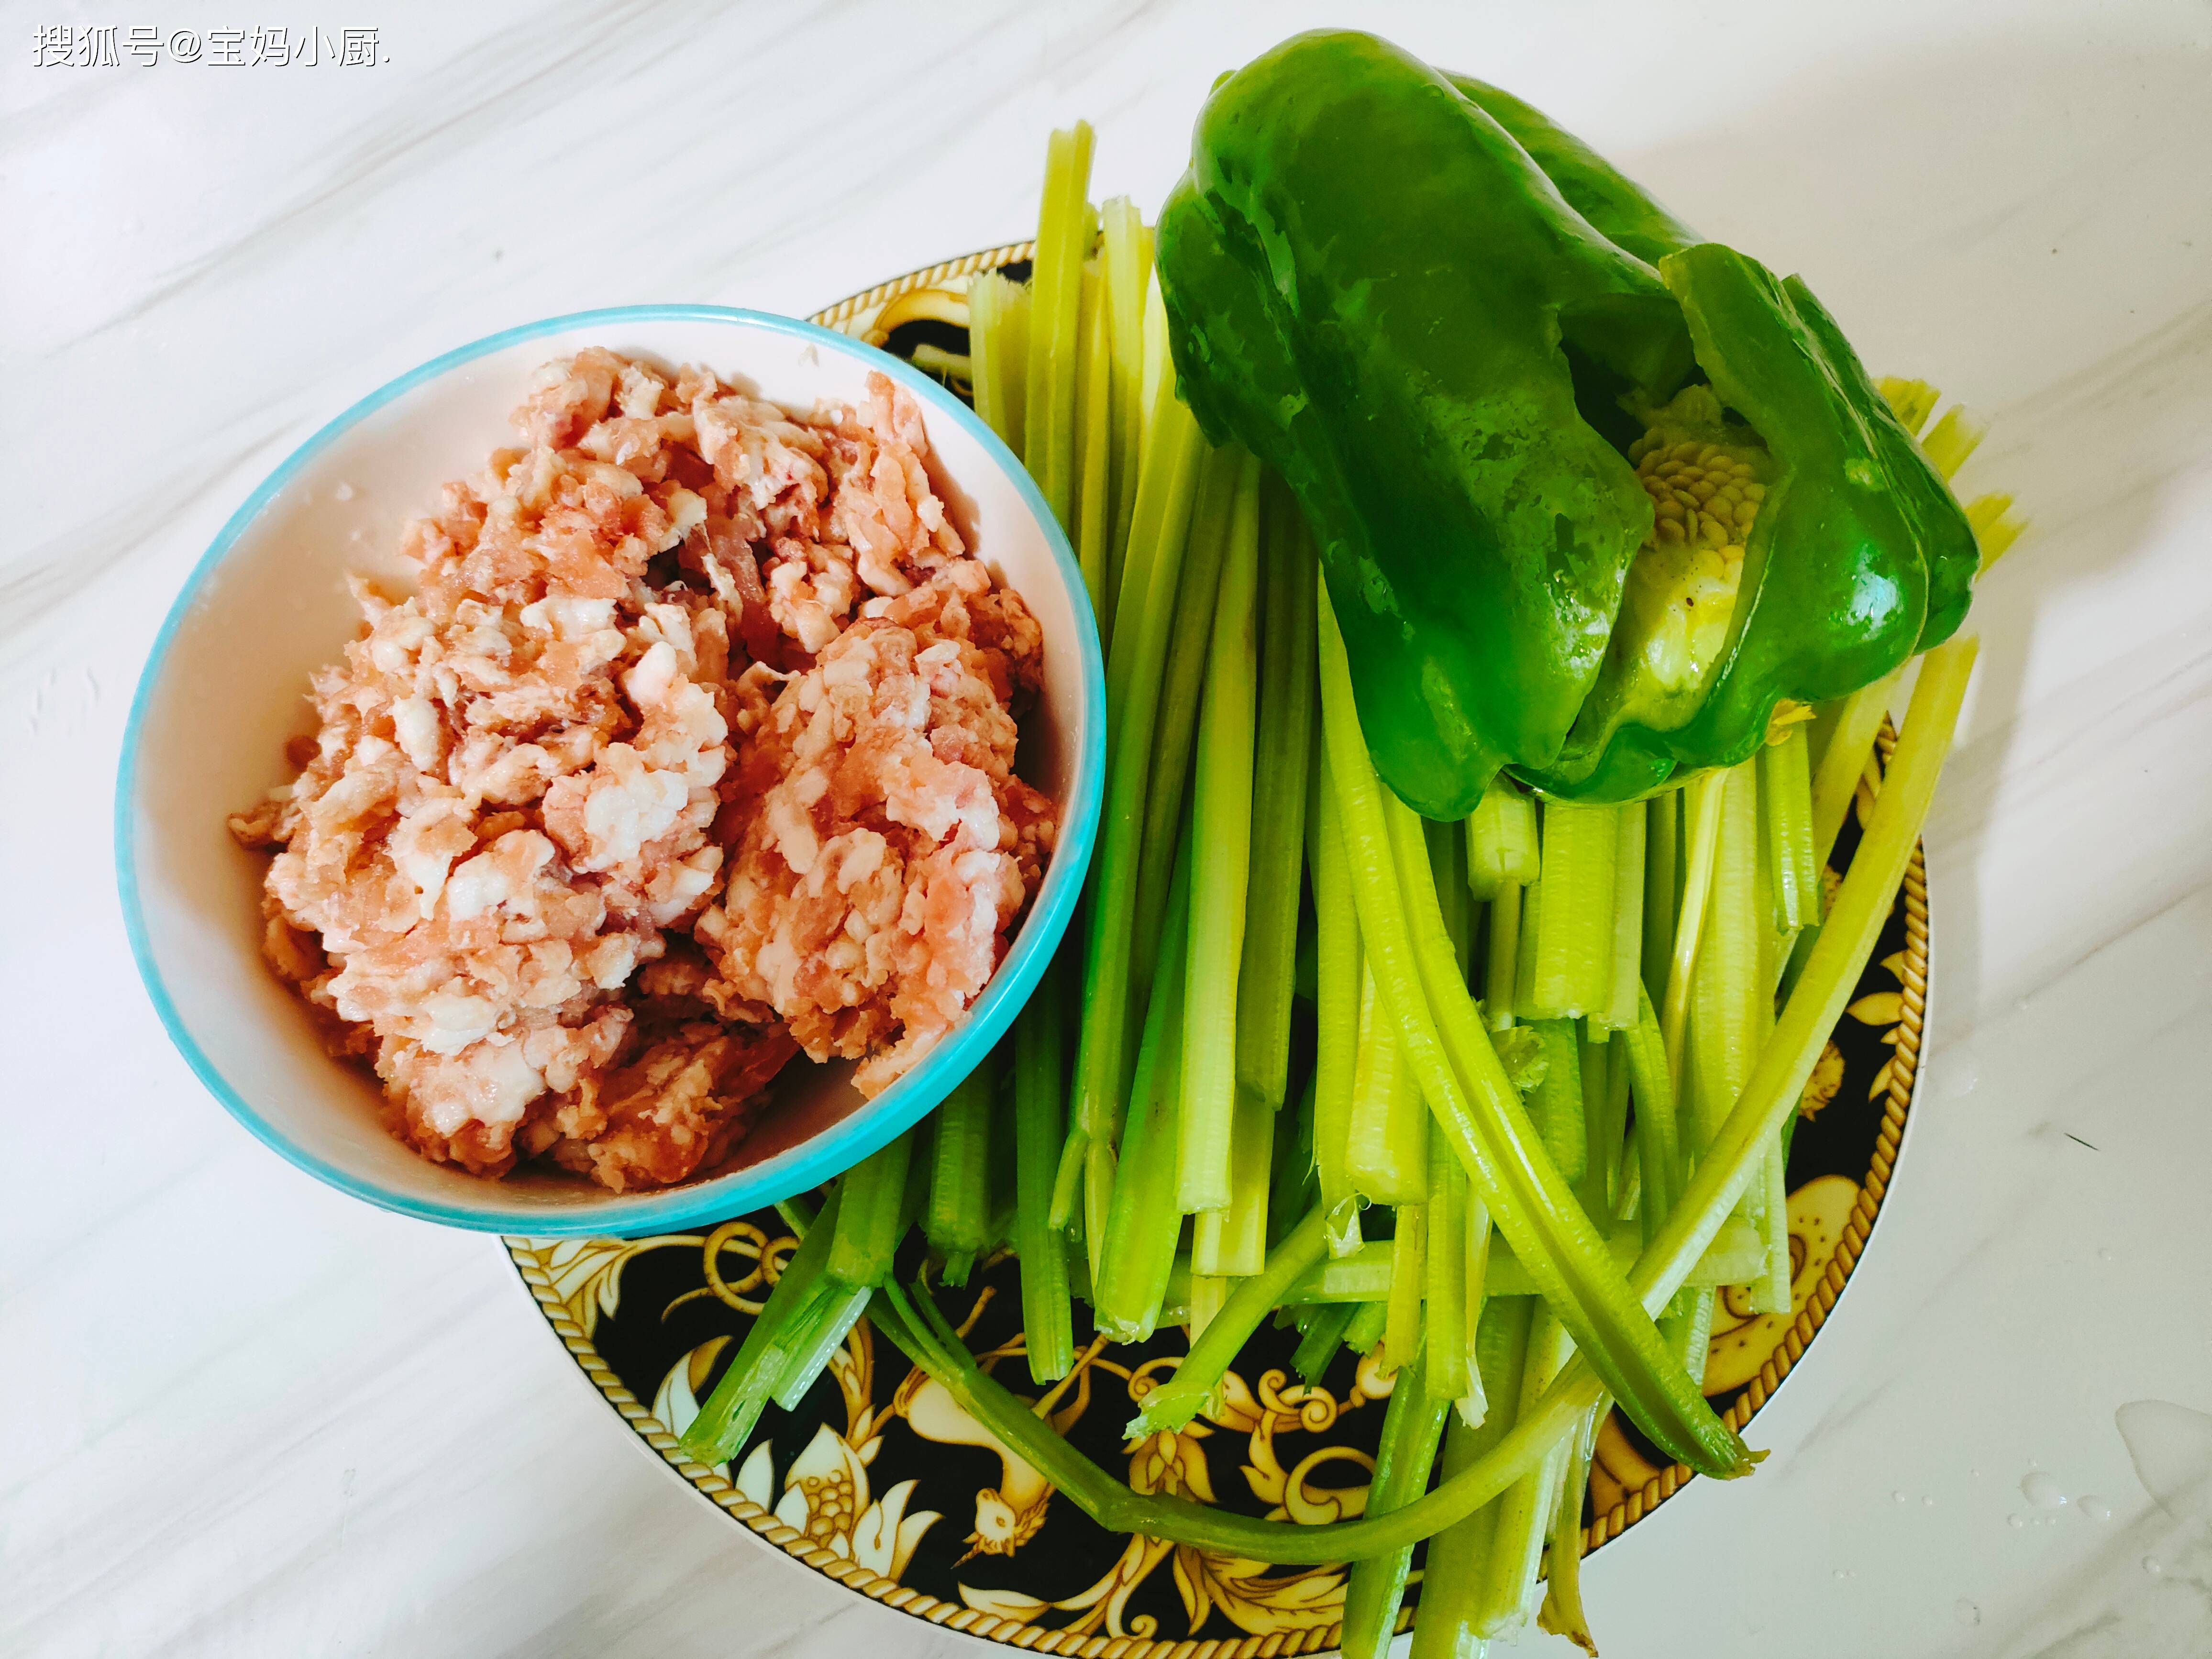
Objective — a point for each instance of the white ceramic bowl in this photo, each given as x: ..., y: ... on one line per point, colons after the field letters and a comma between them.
x: 225, y: 688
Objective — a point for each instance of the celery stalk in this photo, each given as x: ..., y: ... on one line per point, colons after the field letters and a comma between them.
x: 1734, y: 1257
x: 1525, y: 1006
x: 718, y: 1432
x: 1502, y: 958
x: 1472, y: 1480
x: 1133, y: 1253
x: 1338, y: 978
x: 986, y: 333
x: 1003, y: 1161
x: 1209, y: 1294
x: 1413, y: 1424
x: 1605, y: 1119
x: 1690, y: 1111
x: 1221, y: 817
x: 1177, y: 1401
x: 1701, y: 834
x: 1843, y: 761
x: 1628, y: 1171
x: 1367, y: 1318
x: 1094, y: 435
x: 1524, y: 1513
x: 1294, y: 1188
x: 1040, y: 1124
x: 1409, y: 1250
x: 1232, y: 1242
x: 1801, y: 952
x: 1771, y: 1289
x: 828, y: 1322
x: 1474, y: 1276
x: 1562, y: 1614
x: 1724, y: 993
x: 1453, y: 1580
x: 1785, y: 789
x: 1447, y: 1343
x: 1847, y: 938
x: 1447, y: 859
x: 998, y: 336
x: 957, y: 1219
x: 1573, y: 974
x: 1362, y: 1276
x: 1386, y: 1142
x: 873, y: 1216
x: 1282, y: 755
x: 1127, y: 272
x: 1556, y: 1106
x: 1626, y: 1179
x: 914, y: 1325
x: 1660, y: 1152
x: 1065, y: 230
x: 1631, y: 829
x: 1159, y: 365
x: 1175, y: 733
x: 1134, y: 684
x: 1690, y: 1327
x: 1322, y: 1338
x: 947, y: 366
x: 1774, y: 941
x: 1662, y: 891
x: 1766, y: 1200
x: 1502, y: 844
x: 1466, y: 1088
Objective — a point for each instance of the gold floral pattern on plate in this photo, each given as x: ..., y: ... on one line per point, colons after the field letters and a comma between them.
x: 878, y: 1479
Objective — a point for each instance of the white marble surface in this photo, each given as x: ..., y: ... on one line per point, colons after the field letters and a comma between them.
x: 242, y: 1416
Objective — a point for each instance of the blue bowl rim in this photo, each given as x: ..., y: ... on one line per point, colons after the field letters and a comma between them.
x: 861, y: 1132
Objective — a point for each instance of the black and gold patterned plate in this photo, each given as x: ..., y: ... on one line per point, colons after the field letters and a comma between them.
x: 881, y: 1482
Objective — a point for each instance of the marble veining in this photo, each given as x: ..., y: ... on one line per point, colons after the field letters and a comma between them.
x: 246, y: 1417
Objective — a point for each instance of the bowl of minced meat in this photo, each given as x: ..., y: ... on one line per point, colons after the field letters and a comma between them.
x: 619, y: 774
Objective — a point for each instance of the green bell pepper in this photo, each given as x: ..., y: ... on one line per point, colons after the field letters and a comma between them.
x: 1826, y: 571
x: 1626, y: 214
x: 1623, y: 212
x: 1396, y: 352
x: 1582, y: 518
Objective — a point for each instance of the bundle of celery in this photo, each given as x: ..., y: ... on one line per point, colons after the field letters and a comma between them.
x: 1508, y: 1097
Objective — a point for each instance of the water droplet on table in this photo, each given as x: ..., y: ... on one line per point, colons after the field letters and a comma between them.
x: 2151, y: 1565
x: 2042, y: 1490
x: 2015, y: 1521
x: 2095, y: 1508
x: 1927, y: 1503
x: 1965, y: 1612
x: 1897, y: 1498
